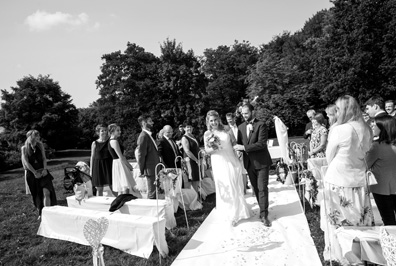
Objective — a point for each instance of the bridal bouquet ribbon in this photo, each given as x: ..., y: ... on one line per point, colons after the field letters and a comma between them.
x: 213, y: 142
x: 94, y: 231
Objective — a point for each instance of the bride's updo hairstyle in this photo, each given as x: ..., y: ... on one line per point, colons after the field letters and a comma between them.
x: 215, y: 114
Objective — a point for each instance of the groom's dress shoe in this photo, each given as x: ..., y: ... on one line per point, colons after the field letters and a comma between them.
x: 266, y: 221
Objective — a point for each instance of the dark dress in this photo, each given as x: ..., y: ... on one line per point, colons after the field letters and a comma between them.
x: 194, y: 148
x: 102, y: 165
x: 36, y: 186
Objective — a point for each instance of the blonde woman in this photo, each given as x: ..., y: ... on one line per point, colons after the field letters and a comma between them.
x: 123, y: 181
x: 346, y: 195
x: 35, y: 163
x: 227, y: 171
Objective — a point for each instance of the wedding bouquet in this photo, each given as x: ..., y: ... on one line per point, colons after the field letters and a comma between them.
x: 213, y: 142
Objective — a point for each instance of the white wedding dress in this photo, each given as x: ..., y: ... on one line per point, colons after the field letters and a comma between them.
x: 227, y: 173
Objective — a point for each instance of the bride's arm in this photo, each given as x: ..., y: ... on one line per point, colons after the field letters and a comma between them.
x: 232, y: 138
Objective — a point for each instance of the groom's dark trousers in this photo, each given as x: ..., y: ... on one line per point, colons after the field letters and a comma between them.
x: 257, y: 160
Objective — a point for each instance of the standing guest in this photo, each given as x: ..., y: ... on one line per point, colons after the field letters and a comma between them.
x: 101, y: 161
x: 375, y: 106
x: 318, y: 137
x: 37, y: 175
x: 123, y: 181
x: 308, y: 127
x: 178, y: 133
x: 233, y: 128
x: 190, y: 155
x: 252, y: 141
x: 227, y: 170
x: 346, y: 199
x: 390, y: 107
x: 168, y: 149
x: 147, y: 154
x: 331, y: 112
x: 381, y: 160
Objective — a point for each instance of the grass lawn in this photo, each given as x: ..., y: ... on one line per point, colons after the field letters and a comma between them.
x: 20, y: 245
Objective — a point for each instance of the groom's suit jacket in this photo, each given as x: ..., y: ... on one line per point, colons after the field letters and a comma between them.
x: 256, y: 150
x: 147, y: 155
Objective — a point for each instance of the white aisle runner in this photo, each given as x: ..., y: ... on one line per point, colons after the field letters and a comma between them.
x: 287, y: 242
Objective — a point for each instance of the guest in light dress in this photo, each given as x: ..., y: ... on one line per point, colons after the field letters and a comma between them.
x: 346, y: 195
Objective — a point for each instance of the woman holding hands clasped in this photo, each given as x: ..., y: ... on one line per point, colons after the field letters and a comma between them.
x: 227, y: 171
x: 37, y: 177
x: 123, y: 181
x: 381, y: 159
x: 346, y: 195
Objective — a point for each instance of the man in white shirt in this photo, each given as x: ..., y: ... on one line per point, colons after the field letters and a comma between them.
x: 390, y: 107
x: 375, y: 106
x: 168, y: 148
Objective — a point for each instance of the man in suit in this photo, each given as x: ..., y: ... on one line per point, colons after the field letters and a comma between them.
x: 252, y: 141
x: 390, y: 107
x: 375, y: 107
x: 168, y: 149
x: 147, y: 154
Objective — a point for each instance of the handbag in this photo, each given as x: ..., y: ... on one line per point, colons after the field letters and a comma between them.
x: 370, y: 177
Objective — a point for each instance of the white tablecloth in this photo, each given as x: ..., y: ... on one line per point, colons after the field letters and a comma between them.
x: 363, y: 242
x: 142, y: 207
x: 133, y: 234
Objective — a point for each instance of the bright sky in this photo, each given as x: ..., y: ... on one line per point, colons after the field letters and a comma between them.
x: 67, y: 38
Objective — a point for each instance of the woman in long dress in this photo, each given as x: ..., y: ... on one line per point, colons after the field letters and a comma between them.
x: 101, y: 161
x: 35, y: 163
x: 227, y: 171
x: 190, y: 155
x: 346, y: 195
x: 123, y: 181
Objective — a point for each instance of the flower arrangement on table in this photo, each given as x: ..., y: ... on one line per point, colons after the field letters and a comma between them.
x: 311, y: 185
x: 213, y: 142
x: 166, y: 182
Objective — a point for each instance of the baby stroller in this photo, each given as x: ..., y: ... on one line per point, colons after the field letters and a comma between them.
x: 78, y: 175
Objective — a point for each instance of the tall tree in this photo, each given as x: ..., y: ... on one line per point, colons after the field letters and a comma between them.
x: 39, y: 103
x: 182, y: 86
x: 227, y: 69
x: 358, y: 54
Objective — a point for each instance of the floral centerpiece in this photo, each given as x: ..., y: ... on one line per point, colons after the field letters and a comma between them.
x: 213, y: 142
x: 311, y: 185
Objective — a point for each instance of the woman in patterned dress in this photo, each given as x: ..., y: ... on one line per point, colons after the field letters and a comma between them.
x: 346, y: 196
x: 318, y: 137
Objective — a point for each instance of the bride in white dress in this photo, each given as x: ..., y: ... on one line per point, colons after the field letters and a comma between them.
x: 227, y: 171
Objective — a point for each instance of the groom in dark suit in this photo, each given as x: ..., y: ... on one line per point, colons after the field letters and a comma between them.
x: 147, y: 155
x: 252, y: 141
